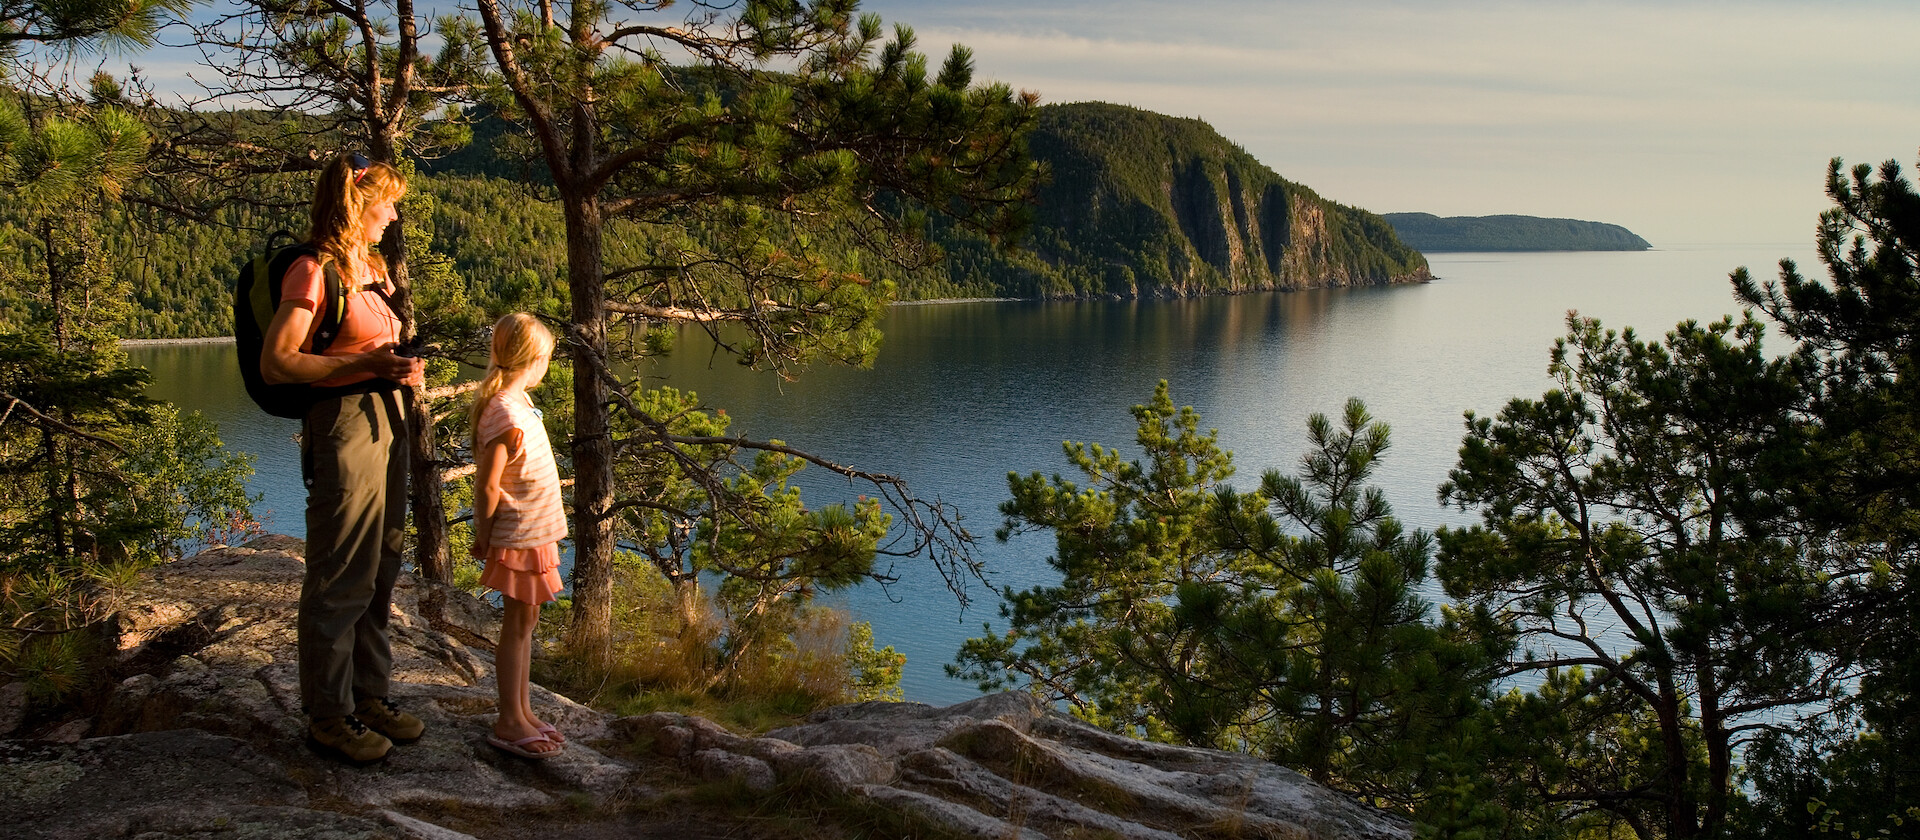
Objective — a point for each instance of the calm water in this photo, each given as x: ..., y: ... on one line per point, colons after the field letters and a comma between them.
x: 964, y: 393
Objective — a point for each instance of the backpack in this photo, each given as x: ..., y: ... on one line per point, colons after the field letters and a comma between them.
x: 256, y: 297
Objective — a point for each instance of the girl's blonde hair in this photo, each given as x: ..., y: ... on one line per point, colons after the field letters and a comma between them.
x: 519, y: 341
x: 340, y: 197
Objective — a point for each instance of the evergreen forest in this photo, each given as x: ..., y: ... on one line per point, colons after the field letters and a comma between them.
x: 1135, y: 204
x: 1697, y: 547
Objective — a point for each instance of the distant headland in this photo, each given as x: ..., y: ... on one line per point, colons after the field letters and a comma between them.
x: 1427, y: 232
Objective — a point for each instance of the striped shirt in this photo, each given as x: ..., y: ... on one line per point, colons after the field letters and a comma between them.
x: 530, y: 514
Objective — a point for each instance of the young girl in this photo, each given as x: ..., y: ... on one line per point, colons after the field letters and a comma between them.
x: 517, y: 520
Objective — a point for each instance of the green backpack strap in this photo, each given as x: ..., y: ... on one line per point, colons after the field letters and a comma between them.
x: 262, y: 296
x: 334, y: 315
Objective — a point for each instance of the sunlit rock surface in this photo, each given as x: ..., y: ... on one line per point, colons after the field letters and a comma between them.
x: 205, y: 738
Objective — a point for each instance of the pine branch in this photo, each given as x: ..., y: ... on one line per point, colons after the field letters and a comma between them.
x: 44, y: 420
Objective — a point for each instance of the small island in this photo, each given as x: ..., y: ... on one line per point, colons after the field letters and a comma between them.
x: 1427, y: 232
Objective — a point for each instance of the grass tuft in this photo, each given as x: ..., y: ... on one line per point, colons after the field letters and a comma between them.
x: 674, y: 654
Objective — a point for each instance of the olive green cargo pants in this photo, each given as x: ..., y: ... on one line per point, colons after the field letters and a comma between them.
x: 353, y: 456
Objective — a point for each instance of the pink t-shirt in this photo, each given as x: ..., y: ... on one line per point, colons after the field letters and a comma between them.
x: 369, y: 323
x: 530, y: 513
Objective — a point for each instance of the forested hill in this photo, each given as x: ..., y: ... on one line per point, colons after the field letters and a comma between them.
x: 1138, y: 205
x: 1141, y: 204
x: 1428, y: 232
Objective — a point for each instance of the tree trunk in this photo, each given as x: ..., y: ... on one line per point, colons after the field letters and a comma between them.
x: 431, y: 554
x: 424, y: 497
x: 1680, y: 817
x: 590, y: 636
x: 686, y: 592
x: 1713, y: 729
x: 57, y: 488
x: 56, y: 300
x: 57, y: 520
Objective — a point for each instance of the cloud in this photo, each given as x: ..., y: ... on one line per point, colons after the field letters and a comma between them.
x: 1689, y: 120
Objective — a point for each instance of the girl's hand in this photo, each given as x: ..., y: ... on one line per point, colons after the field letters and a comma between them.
x: 489, y: 461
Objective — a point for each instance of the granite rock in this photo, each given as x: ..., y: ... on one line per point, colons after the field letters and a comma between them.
x: 177, y: 783
x: 13, y: 707
x: 203, y: 737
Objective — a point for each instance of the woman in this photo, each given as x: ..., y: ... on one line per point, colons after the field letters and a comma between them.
x: 353, y: 456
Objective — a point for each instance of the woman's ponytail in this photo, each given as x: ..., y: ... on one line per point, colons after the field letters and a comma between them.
x: 340, y: 198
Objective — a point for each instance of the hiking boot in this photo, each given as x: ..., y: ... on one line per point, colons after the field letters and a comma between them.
x: 347, y: 738
x: 383, y: 716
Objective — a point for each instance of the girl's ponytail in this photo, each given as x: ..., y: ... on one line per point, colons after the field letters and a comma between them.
x: 489, y: 388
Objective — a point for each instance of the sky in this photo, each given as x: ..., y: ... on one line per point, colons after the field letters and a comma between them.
x: 1688, y: 122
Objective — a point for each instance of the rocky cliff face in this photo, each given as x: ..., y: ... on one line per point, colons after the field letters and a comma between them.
x: 1140, y: 204
x: 204, y: 739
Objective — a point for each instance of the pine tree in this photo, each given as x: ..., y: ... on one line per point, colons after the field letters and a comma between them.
x: 78, y: 26
x: 673, y: 123
x: 1362, y: 678
x: 1630, y: 528
x: 1858, y: 331
x: 1131, y: 546
x: 96, y: 480
x: 1283, y: 622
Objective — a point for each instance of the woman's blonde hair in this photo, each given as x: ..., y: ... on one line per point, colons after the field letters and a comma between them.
x: 519, y: 341
x: 340, y: 197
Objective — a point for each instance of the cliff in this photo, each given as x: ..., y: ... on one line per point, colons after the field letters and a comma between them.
x: 1134, y: 204
x: 203, y: 737
x: 1140, y: 204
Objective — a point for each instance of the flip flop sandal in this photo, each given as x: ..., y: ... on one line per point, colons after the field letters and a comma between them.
x: 552, y: 734
x: 519, y: 747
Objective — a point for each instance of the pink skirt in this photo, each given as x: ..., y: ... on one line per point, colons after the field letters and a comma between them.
x: 527, y: 575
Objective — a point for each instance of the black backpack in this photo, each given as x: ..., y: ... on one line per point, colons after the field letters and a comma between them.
x: 256, y: 297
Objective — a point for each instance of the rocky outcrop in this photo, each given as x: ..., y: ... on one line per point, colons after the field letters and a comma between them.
x: 207, y: 736
x: 204, y: 738
x: 174, y: 783
x: 1003, y: 766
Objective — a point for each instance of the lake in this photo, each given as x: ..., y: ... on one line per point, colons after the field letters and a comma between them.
x: 963, y: 393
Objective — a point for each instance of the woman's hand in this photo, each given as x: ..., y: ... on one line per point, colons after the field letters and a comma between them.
x: 386, y: 364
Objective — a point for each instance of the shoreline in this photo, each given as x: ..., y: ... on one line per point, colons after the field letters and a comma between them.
x: 165, y: 342
x: 227, y: 339
x: 929, y: 301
